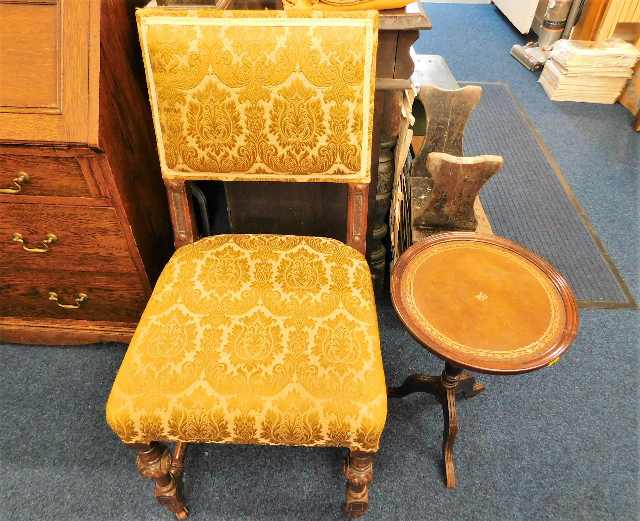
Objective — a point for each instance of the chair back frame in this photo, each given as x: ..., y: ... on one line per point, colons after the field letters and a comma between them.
x: 185, y: 229
x: 332, y: 73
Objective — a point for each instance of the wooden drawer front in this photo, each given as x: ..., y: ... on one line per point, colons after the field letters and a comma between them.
x: 47, y: 175
x: 87, y: 238
x: 112, y: 297
x: 44, y: 70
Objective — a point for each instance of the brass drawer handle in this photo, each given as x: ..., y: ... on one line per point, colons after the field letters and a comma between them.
x: 22, y: 178
x: 50, y: 239
x: 79, y: 300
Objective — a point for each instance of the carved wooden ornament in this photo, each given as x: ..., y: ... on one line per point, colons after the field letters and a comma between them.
x: 445, y: 202
x: 447, y: 112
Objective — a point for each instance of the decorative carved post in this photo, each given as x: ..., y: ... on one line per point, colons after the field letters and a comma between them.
x: 393, y: 61
x: 181, y: 210
x: 358, y: 469
x: 154, y: 462
x: 357, y: 205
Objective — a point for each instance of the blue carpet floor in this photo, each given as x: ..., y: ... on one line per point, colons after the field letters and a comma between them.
x: 556, y: 445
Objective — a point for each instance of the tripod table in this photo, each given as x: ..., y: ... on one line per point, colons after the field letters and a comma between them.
x: 483, y: 303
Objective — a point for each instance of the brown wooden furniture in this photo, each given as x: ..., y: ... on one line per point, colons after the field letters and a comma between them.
x: 481, y: 303
x: 444, y: 186
x: 292, y: 352
x: 319, y: 209
x: 84, y: 227
x: 445, y: 201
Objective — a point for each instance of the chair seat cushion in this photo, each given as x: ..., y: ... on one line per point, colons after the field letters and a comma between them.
x: 256, y: 339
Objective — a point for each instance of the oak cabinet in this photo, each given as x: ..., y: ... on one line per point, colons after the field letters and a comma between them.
x: 84, y: 226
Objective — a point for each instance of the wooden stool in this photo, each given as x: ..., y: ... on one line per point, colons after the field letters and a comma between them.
x: 482, y: 303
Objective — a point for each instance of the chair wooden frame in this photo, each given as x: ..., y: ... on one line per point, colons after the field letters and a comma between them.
x: 156, y: 461
x: 184, y: 224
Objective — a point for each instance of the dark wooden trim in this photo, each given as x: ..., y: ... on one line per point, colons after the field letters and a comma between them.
x: 357, y: 210
x: 131, y: 170
x: 102, y: 165
x: 181, y: 210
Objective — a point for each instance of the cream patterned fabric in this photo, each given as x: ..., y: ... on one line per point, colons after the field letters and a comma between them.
x: 258, y: 339
x: 261, y: 95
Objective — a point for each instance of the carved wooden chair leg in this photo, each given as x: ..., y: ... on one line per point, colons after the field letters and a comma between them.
x: 154, y: 462
x: 177, y: 465
x: 358, y: 469
x: 416, y: 383
x: 450, y: 381
x: 177, y: 461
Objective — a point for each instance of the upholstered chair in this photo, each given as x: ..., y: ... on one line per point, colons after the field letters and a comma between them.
x: 257, y: 339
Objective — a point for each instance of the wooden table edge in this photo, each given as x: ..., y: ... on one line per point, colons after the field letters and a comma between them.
x: 567, y: 296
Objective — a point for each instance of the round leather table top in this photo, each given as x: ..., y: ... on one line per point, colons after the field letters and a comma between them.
x: 484, y: 303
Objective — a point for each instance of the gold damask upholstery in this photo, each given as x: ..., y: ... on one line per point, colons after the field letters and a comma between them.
x: 261, y: 95
x: 259, y: 339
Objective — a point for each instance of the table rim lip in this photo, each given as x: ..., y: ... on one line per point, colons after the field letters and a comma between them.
x: 553, y: 352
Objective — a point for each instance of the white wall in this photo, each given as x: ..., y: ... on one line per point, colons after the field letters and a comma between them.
x: 457, y: 1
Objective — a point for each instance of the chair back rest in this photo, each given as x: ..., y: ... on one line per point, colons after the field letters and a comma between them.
x: 261, y: 95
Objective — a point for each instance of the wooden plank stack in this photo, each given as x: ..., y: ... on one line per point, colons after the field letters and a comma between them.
x: 593, y: 72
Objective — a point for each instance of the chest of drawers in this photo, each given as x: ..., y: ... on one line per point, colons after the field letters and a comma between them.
x: 84, y: 227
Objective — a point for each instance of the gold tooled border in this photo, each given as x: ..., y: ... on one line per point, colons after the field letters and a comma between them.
x: 584, y: 304
x: 368, y: 20
x: 556, y: 320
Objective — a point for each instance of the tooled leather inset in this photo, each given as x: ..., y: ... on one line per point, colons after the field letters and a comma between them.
x: 237, y: 98
x: 256, y: 339
x: 556, y: 317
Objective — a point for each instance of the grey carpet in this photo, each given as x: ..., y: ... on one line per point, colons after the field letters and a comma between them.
x: 555, y: 445
x: 527, y: 202
x: 559, y: 444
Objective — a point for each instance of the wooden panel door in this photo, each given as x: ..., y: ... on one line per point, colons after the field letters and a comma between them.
x: 44, y: 70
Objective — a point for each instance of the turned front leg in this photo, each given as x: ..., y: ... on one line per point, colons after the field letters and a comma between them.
x: 177, y: 460
x: 358, y: 469
x: 154, y: 462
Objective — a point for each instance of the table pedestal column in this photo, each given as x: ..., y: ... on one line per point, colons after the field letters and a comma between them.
x: 447, y: 388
